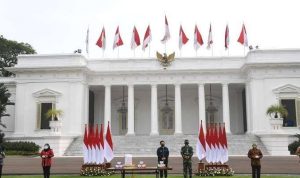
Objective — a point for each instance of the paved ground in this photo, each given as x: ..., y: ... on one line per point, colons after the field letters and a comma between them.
x: 72, y: 165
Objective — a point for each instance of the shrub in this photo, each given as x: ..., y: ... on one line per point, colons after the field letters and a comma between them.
x: 20, y: 148
x: 293, y: 146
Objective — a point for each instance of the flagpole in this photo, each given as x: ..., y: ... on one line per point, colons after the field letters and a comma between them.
x: 102, y: 53
x: 134, y: 52
x: 118, y: 52
x: 166, y: 47
x: 149, y: 50
x: 244, y: 50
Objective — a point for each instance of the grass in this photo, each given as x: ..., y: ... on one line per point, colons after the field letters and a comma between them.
x: 141, y: 176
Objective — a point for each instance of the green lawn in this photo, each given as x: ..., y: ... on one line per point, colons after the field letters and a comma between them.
x: 140, y: 176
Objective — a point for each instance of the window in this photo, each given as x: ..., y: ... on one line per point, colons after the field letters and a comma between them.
x: 45, y: 99
x: 43, y: 121
x: 289, y: 96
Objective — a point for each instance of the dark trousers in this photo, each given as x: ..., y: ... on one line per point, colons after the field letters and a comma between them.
x: 187, y: 169
x: 46, y: 171
x: 164, y: 172
x: 1, y: 170
x: 256, y: 171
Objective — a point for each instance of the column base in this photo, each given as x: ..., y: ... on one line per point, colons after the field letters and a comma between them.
x: 130, y: 134
x: 154, y: 134
x: 178, y: 133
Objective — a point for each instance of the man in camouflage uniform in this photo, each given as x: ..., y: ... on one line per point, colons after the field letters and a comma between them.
x: 187, y: 153
x: 255, y: 155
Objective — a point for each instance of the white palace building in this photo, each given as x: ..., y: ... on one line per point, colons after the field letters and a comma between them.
x: 146, y: 103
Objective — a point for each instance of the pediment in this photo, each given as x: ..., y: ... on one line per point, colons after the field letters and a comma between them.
x: 287, y: 89
x: 46, y: 93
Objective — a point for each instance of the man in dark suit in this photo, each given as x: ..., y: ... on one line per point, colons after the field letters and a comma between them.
x: 163, y: 155
x: 255, y: 155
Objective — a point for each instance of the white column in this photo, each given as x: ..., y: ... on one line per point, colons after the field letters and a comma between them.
x: 178, y: 121
x: 248, y: 106
x: 107, y: 106
x: 154, y: 121
x: 225, y: 101
x: 201, y: 100
x: 130, y: 130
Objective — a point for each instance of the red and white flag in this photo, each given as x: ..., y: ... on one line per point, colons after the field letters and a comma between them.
x: 147, y: 38
x: 108, y: 145
x: 182, y: 38
x: 97, y: 145
x: 102, y: 40
x: 208, y: 144
x: 243, y: 37
x: 214, y: 144
x: 226, y: 37
x: 85, y: 147
x: 198, y: 41
x: 135, y: 39
x: 210, y: 39
x: 201, y: 144
x: 93, y: 145
x: 118, y: 40
x: 101, y: 142
x: 90, y: 144
x: 224, y: 140
x: 167, y: 35
x: 218, y: 143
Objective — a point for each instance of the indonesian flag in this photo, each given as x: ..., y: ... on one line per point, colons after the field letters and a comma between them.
x: 147, y: 38
x: 108, y: 145
x: 167, y: 35
x: 208, y: 144
x: 209, y: 40
x: 225, y: 153
x: 243, y: 37
x: 198, y: 41
x: 102, y: 40
x: 226, y: 37
x: 101, y: 143
x: 97, y: 145
x: 135, y: 39
x: 85, y: 147
x: 118, y: 40
x: 93, y: 146
x: 90, y: 144
x: 182, y: 38
x: 214, y: 145
x: 201, y: 145
x: 218, y: 143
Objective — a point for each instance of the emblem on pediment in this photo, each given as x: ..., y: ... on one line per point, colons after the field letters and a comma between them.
x: 164, y: 59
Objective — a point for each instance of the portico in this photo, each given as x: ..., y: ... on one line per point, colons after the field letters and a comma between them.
x: 140, y: 99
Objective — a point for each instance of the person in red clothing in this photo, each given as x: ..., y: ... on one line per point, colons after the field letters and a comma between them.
x: 46, y: 156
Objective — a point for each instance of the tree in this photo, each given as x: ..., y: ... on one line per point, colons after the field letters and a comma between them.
x: 4, y: 101
x: 9, y: 50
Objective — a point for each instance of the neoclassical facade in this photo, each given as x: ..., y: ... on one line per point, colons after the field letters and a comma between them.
x: 138, y: 97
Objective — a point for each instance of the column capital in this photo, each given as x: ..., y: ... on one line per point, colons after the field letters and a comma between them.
x: 107, y: 85
x: 225, y: 83
x: 177, y: 84
x: 201, y: 84
x: 153, y: 85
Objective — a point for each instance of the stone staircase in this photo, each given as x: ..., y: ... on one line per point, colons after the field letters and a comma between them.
x: 146, y: 145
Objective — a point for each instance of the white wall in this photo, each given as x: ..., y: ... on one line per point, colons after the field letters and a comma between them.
x: 71, y: 101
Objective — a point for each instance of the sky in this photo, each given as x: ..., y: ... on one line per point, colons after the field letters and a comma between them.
x: 60, y: 26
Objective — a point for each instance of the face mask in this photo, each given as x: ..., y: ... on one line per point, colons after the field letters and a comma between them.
x: 46, y: 147
x: 162, y: 145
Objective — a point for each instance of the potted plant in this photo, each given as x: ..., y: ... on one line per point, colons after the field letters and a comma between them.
x: 55, y: 124
x: 277, y: 112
